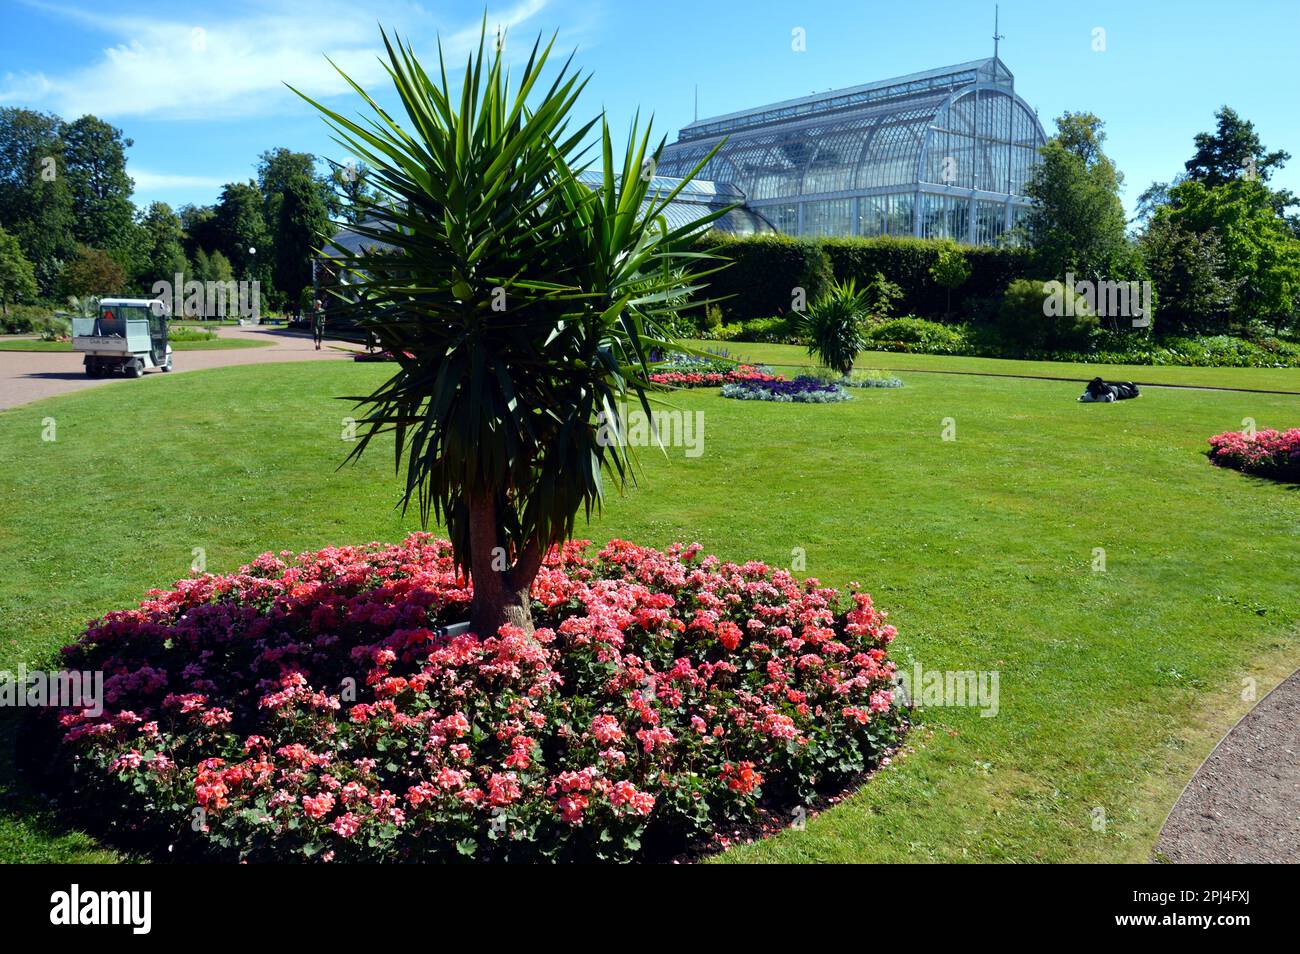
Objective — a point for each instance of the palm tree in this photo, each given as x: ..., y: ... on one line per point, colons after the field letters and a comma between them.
x: 521, y: 306
x: 835, y: 328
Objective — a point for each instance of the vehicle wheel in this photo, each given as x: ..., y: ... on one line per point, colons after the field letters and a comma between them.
x: 168, y: 365
x: 132, y: 368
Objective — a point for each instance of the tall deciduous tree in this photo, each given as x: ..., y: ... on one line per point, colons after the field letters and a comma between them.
x: 1232, y: 151
x: 240, y: 226
x: 1077, y: 223
x: 95, y: 155
x: 17, y: 278
x: 162, y: 252
x: 35, y: 200
x: 1260, y: 253
x: 93, y: 272
x: 352, y: 186
x: 300, y: 229
x: 1196, y: 293
x: 199, y: 228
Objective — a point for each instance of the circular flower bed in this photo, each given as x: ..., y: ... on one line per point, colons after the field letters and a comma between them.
x: 309, y: 708
x: 802, y: 390
x: 713, y: 379
x: 1267, y: 453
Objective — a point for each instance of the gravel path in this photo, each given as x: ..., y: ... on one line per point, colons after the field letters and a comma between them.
x: 27, y: 376
x: 1243, y: 805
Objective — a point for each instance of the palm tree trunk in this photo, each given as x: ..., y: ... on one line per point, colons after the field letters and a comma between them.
x: 501, y: 596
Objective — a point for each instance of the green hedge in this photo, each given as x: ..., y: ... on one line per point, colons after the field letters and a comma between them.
x: 763, y: 274
x: 767, y: 268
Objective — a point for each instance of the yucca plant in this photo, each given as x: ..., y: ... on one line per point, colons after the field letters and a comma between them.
x: 835, y: 326
x: 521, y: 306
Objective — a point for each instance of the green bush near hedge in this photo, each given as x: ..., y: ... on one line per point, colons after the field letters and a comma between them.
x: 919, y: 336
x: 1024, y: 322
x: 32, y: 320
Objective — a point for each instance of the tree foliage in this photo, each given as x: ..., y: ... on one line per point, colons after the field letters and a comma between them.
x: 239, y: 222
x: 1077, y: 223
x: 301, y: 227
x: 17, y: 277
x: 1233, y: 151
x: 162, y: 251
x: 95, y: 166
x: 1260, y: 255
x: 93, y: 273
x: 1196, y: 293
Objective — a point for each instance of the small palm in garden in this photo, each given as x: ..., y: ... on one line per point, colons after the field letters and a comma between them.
x: 835, y: 326
x: 521, y: 306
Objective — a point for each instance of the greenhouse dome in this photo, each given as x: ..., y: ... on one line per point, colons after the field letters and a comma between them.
x: 944, y: 153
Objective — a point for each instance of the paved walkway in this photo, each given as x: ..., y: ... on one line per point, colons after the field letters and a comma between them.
x: 1243, y: 805
x: 27, y: 376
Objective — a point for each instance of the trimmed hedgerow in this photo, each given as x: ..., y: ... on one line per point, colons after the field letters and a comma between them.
x: 308, y: 708
x: 766, y: 268
x: 763, y: 273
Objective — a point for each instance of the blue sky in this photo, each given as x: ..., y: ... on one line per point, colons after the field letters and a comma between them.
x: 199, y: 86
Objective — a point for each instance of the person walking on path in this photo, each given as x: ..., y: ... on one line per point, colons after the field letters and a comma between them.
x: 318, y: 324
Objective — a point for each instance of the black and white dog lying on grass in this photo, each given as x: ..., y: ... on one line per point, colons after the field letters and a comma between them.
x: 1099, y: 391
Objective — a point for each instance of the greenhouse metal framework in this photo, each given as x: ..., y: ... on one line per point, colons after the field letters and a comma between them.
x: 944, y: 153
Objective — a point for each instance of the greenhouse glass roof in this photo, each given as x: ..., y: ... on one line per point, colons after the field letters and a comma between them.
x: 926, y: 154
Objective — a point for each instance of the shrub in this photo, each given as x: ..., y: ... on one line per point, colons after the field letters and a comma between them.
x: 1022, y: 320
x: 778, y: 330
x: 1267, y: 453
x: 309, y: 709
x: 727, y: 332
x: 178, y: 333
x: 802, y: 390
x: 919, y: 336
x: 883, y: 297
x: 29, y: 320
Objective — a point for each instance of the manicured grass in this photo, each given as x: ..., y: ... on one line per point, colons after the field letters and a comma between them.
x: 793, y: 356
x: 215, y: 344
x: 1114, y: 685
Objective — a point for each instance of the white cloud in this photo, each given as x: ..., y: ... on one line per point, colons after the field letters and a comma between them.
x: 147, y: 180
x: 227, y: 65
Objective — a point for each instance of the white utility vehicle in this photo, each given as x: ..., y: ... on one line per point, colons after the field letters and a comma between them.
x: 127, y: 335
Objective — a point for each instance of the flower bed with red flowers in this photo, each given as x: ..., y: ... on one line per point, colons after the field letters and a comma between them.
x: 308, y: 708
x: 1267, y: 453
x: 713, y: 379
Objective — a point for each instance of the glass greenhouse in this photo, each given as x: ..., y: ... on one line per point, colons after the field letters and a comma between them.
x: 697, y: 198
x: 940, y: 154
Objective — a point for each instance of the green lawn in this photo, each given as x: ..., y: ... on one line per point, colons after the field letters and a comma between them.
x: 1114, y: 685
x: 793, y: 356
x: 214, y: 344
